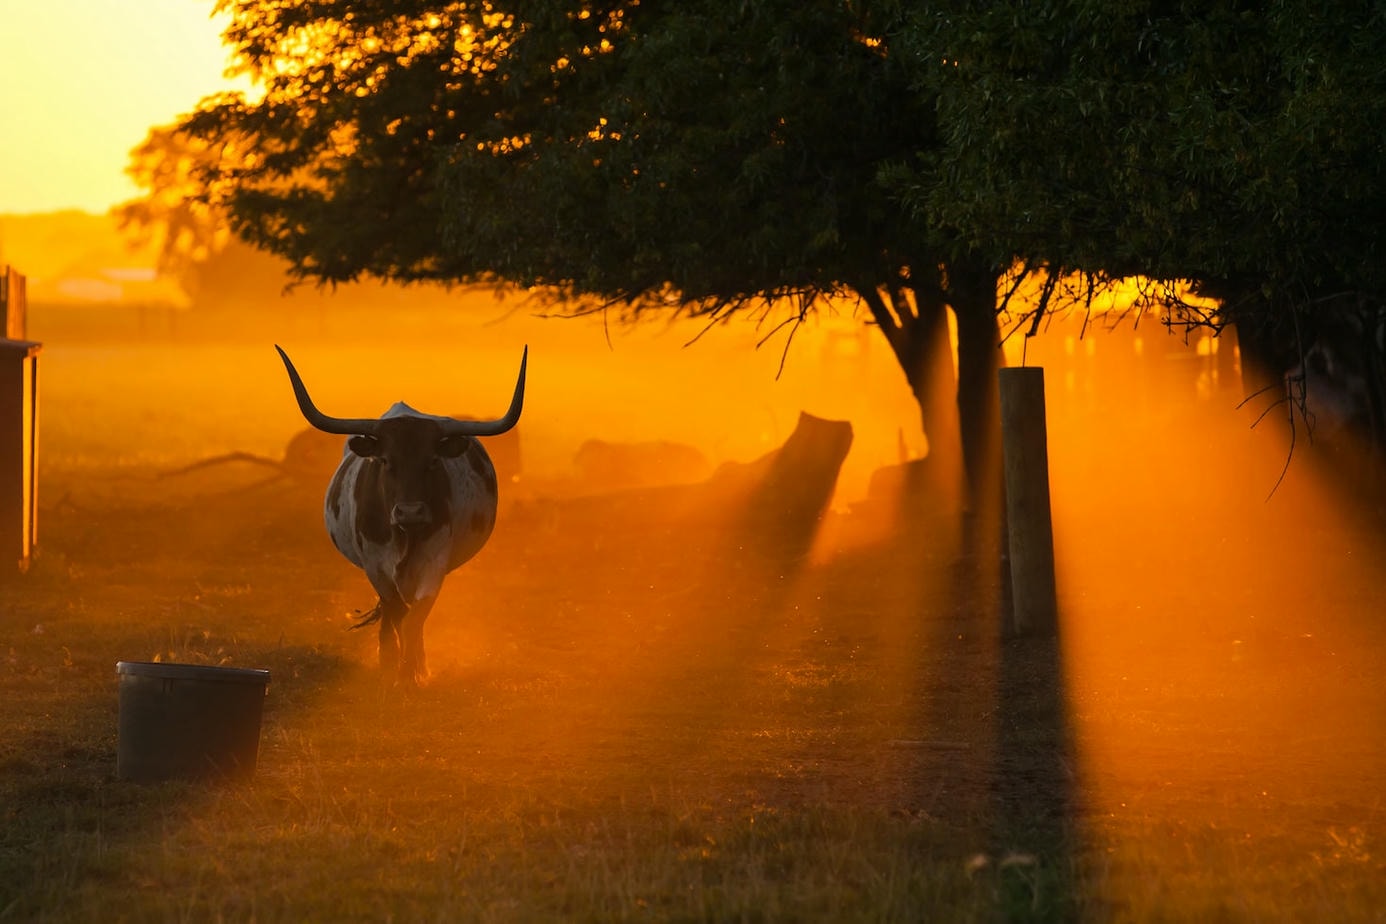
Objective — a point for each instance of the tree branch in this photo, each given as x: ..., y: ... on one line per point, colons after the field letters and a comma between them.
x: 889, y: 326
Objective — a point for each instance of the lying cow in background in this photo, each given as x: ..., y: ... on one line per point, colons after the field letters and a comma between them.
x: 312, y: 455
x: 413, y: 498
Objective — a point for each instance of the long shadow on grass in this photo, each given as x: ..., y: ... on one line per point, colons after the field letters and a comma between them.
x: 995, y: 755
x: 1035, y: 840
x: 1035, y: 827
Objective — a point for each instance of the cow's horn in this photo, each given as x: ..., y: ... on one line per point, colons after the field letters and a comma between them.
x: 501, y: 424
x: 341, y: 425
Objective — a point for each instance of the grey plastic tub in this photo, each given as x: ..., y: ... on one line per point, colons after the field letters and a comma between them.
x: 188, y: 721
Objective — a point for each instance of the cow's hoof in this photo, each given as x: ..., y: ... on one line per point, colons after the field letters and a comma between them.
x: 412, y: 680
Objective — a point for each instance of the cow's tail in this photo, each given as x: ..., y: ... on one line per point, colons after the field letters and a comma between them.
x: 370, y: 617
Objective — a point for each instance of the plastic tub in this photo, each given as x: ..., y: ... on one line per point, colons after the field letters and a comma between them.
x: 188, y: 721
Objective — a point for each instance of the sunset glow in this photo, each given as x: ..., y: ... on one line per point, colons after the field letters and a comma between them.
x: 76, y: 102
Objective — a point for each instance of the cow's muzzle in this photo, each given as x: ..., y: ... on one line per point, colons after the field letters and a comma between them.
x: 410, y: 514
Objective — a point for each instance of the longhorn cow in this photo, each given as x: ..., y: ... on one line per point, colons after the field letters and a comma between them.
x: 412, y: 499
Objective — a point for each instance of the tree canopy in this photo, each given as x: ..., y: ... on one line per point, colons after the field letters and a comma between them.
x: 1240, y: 145
x: 1210, y: 142
x: 617, y: 150
x: 713, y: 150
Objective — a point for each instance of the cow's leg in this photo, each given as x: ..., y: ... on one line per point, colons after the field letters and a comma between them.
x: 392, y: 610
x: 412, y: 666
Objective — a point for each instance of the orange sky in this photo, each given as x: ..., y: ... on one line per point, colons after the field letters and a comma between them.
x: 82, y: 81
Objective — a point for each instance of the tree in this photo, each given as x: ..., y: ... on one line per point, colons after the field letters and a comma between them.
x: 708, y: 157
x: 165, y: 164
x: 194, y: 243
x: 1236, y: 144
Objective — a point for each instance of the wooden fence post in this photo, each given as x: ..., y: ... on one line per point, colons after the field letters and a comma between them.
x: 14, y: 305
x: 18, y: 427
x: 1030, y: 531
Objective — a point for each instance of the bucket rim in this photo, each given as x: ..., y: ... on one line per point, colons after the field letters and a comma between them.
x: 166, y: 670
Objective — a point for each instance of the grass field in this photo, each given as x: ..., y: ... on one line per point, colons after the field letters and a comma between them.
x: 636, y: 714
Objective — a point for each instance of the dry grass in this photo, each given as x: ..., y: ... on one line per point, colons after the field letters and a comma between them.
x: 635, y: 716
x: 574, y: 764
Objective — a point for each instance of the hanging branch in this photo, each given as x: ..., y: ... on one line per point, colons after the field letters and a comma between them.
x: 1020, y: 277
x: 1087, y: 303
x: 1051, y: 280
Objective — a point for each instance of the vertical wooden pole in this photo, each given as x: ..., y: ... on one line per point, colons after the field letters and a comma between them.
x: 14, y: 305
x: 31, y: 447
x: 1025, y: 451
x: 18, y: 453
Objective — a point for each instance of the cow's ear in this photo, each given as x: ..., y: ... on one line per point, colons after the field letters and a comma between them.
x: 367, y: 446
x: 450, y: 447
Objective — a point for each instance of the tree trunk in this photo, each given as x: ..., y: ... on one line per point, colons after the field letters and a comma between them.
x: 933, y: 379
x: 961, y: 412
x: 916, y: 327
x: 972, y: 294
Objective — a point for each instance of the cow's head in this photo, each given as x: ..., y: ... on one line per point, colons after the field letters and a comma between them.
x: 409, y: 449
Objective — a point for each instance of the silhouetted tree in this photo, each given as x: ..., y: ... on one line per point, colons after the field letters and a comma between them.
x: 195, y: 244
